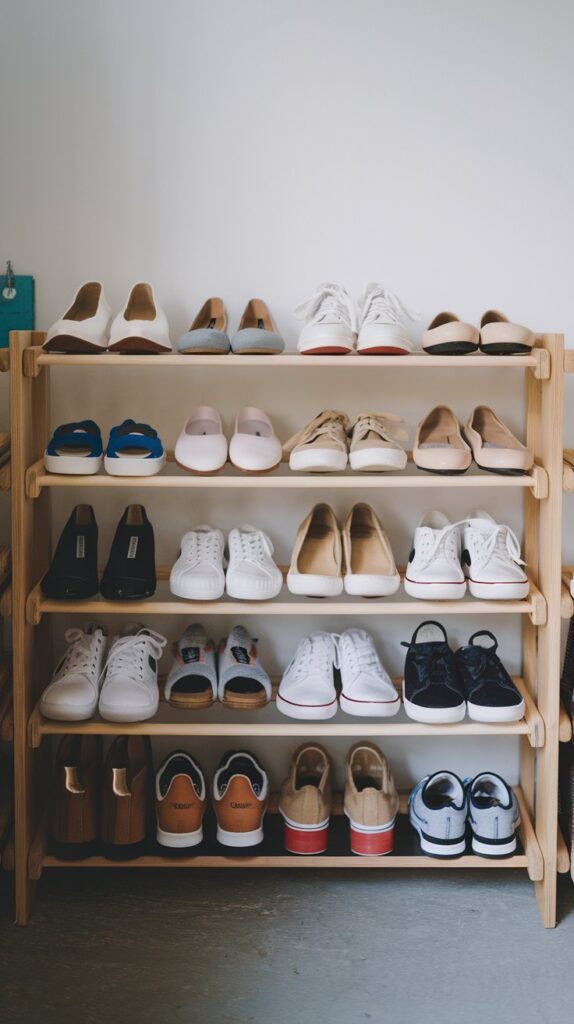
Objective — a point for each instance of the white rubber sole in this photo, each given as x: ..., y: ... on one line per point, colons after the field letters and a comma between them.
x: 377, y: 460
x: 308, y: 585
x: 241, y: 592
x: 433, y: 716
x: 325, y: 346
x: 306, y: 712
x: 68, y: 714
x: 126, y: 714
x: 494, y: 850
x: 369, y: 708
x: 439, y: 849
x: 192, y: 592
x: 239, y: 839
x: 435, y: 591
x: 176, y: 840
x: 499, y: 591
x: 133, y: 467
x: 318, y: 461
x: 478, y: 713
x: 362, y: 585
x: 73, y: 465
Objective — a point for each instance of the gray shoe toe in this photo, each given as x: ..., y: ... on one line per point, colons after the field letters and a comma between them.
x: 203, y: 340
x: 253, y: 339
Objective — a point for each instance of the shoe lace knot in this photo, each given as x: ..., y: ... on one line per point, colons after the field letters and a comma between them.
x: 128, y: 654
x: 388, y: 426
x: 330, y: 301
x: 380, y: 305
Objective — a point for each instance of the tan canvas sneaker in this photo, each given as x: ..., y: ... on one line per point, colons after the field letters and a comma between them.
x: 498, y: 337
x: 371, y: 800
x: 321, y: 446
x: 439, y: 445
x: 494, y: 446
x: 370, y: 569
x: 446, y: 335
x: 316, y: 562
x: 374, y: 442
x: 305, y: 801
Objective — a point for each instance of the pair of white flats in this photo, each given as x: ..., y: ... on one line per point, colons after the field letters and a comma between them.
x: 200, y: 574
x: 87, y: 325
x: 202, y: 447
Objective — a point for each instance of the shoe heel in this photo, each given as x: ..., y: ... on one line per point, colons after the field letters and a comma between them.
x: 372, y: 844
x: 305, y: 841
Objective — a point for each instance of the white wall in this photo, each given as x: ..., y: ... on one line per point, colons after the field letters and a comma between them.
x: 258, y: 148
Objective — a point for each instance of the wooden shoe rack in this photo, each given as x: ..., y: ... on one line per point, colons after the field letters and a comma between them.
x: 6, y: 703
x: 539, y: 853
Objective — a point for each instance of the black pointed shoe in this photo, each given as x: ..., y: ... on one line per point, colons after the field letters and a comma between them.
x: 130, y: 571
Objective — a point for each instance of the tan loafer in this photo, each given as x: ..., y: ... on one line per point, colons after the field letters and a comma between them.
x: 371, y: 800
x: 446, y: 335
x: 316, y: 563
x: 370, y: 569
x: 439, y: 445
x: 306, y: 800
x: 498, y: 337
x: 494, y: 446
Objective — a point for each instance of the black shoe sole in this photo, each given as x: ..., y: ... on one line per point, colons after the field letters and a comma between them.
x: 452, y: 348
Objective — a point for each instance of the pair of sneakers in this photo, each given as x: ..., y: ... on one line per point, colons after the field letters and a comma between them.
x: 335, y: 325
x: 133, y: 449
x: 234, y: 675
x: 199, y: 573
x: 441, y: 805
x: 330, y: 440
x: 87, y: 325
x: 307, y: 689
x: 477, y: 549
x: 123, y: 687
x: 239, y: 792
x: 203, y: 447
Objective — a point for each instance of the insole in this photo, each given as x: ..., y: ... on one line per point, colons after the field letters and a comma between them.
x: 366, y: 782
x: 244, y: 684
x: 308, y: 780
x: 317, y: 555
x: 202, y: 427
x: 132, y: 453
x: 72, y: 449
x: 367, y: 556
x: 257, y: 428
x: 191, y: 684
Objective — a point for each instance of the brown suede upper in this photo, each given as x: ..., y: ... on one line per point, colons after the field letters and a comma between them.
x: 371, y: 797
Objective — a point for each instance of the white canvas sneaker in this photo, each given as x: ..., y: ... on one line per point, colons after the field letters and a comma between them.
x: 142, y: 325
x: 330, y: 322
x: 491, y: 559
x: 198, y: 573
x: 434, y: 570
x: 85, y: 324
x: 382, y: 329
x: 129, y: 690
x: 202, y: 445
x: 367, y: 690
x: 374, y: 444
x: 254, y: 447
x: 251, y: 574
x: 321, y: 446
x: 307, y: 688
x: 73, y: 694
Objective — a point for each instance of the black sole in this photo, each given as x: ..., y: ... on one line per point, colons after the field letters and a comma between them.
x: 506, y: 348
x: 504, y: 472
x: 445, y: 472
x: 452, y: 348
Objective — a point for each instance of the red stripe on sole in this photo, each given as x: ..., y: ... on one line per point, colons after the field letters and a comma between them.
x: 372, y: 844
x: 304, y: 841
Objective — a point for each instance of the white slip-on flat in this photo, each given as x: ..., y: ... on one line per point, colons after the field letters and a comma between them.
x: 141, y: 328
x: 254, y: 448
x: 494, y: 446
x: 85, y: 324
x: 202, y: 445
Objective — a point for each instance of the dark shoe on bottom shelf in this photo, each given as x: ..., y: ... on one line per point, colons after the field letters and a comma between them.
x: 75, y: 796
x: 126, y: 797
x: 180, y: 799
x: 73, y: 572
x: 130, y: 571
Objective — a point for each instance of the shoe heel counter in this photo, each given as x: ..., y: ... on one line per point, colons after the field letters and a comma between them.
x: 181, y: 810
x: 239, y: 810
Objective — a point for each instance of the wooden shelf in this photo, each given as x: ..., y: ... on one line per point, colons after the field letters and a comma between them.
x: 539, y: 361
x: 173, y: 476
x: 564, y: 726
x: 4, y: 360
x: 221, y: 721
x: 568, y: 470
x: 562, y: 855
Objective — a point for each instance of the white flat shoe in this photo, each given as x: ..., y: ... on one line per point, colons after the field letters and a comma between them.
x: 202, y: 445
x: 141, y: 327
x: 254, y: 448
x: 85, y: 324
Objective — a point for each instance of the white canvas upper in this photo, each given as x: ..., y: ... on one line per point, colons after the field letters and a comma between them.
x: 381, y: 327
x: 330, y: 321
x: 434, y: 569
x: 73, y: 693
x: 492, y: 559
x: 254, y: 446
x: 202, y: 445
x: 367, y: 689
x: 307, y: 687
x: 129, y: 691
x: 251, y: 573
x: 198, y: 574
x: 92, y: 329
x: 155, y: 330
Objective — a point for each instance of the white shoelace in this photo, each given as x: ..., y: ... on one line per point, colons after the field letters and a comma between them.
x: 361, y: 654
x: 80, y: 656
x: 254, y: 545
x: 317, y: 653
x: 389, y: 427
x: 202, y: 545
x: 128, y: 654
x: 380, y: 305
x: 329, y: 302
x: 501, y: 541
x: 435, y: 542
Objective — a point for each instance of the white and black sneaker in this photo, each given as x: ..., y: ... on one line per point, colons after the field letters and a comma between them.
x: 434, y: 570
x: 491, y: 559
x: 129, y: 690
x: 491, y: 696
x: 433, y: 690
x: 72, y: 695
x: 493, y: 815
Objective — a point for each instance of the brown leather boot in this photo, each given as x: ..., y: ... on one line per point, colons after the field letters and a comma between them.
x: 75, y: 795
x: 126, y: 798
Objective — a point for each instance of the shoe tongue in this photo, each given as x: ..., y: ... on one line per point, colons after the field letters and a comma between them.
x: 241, y: 655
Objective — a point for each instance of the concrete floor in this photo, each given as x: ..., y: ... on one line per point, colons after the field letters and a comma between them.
x: 274, y: 947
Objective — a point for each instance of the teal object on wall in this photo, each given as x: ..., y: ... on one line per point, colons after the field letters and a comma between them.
x: 16, y: 304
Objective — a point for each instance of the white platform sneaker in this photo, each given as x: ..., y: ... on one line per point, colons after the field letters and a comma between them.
x: 129, y: 691
x: 73, y: 693
x: 251, y: 573
x: 382, y: 329
x: 434, y: 570
x: 330, y: 322
x: 85, y: 324
x: 307, y: 688
x: 367, y: 690
x: 198, y: 574
x: 491, y: 559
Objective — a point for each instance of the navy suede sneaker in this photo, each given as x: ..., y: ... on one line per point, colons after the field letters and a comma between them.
x: 491, y: 695
x: 433, y: 690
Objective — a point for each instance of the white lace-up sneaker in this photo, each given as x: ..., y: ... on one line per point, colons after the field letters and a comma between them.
x: 129, y: 691
x: 330, y: 322
x: 307, y: 687
x: 367, y: 689
x: 434, y: 571
x: 198, y: 573
x: 491, y: 559
x: 382, y: 330
x: 73, y: 693
x: 374, y: 447
x: 252, y: 574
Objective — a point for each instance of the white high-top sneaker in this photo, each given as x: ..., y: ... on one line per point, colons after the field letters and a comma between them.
x: 198, y: 573
x: 367, y: 689
x: 251, y: 574
x: 73, y: 694
x: 382, y: 329
x: 330, y: 322
x: 307, y: 688
x: 491, y: 559
x: 434, y: 571
x: 129, y: 691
